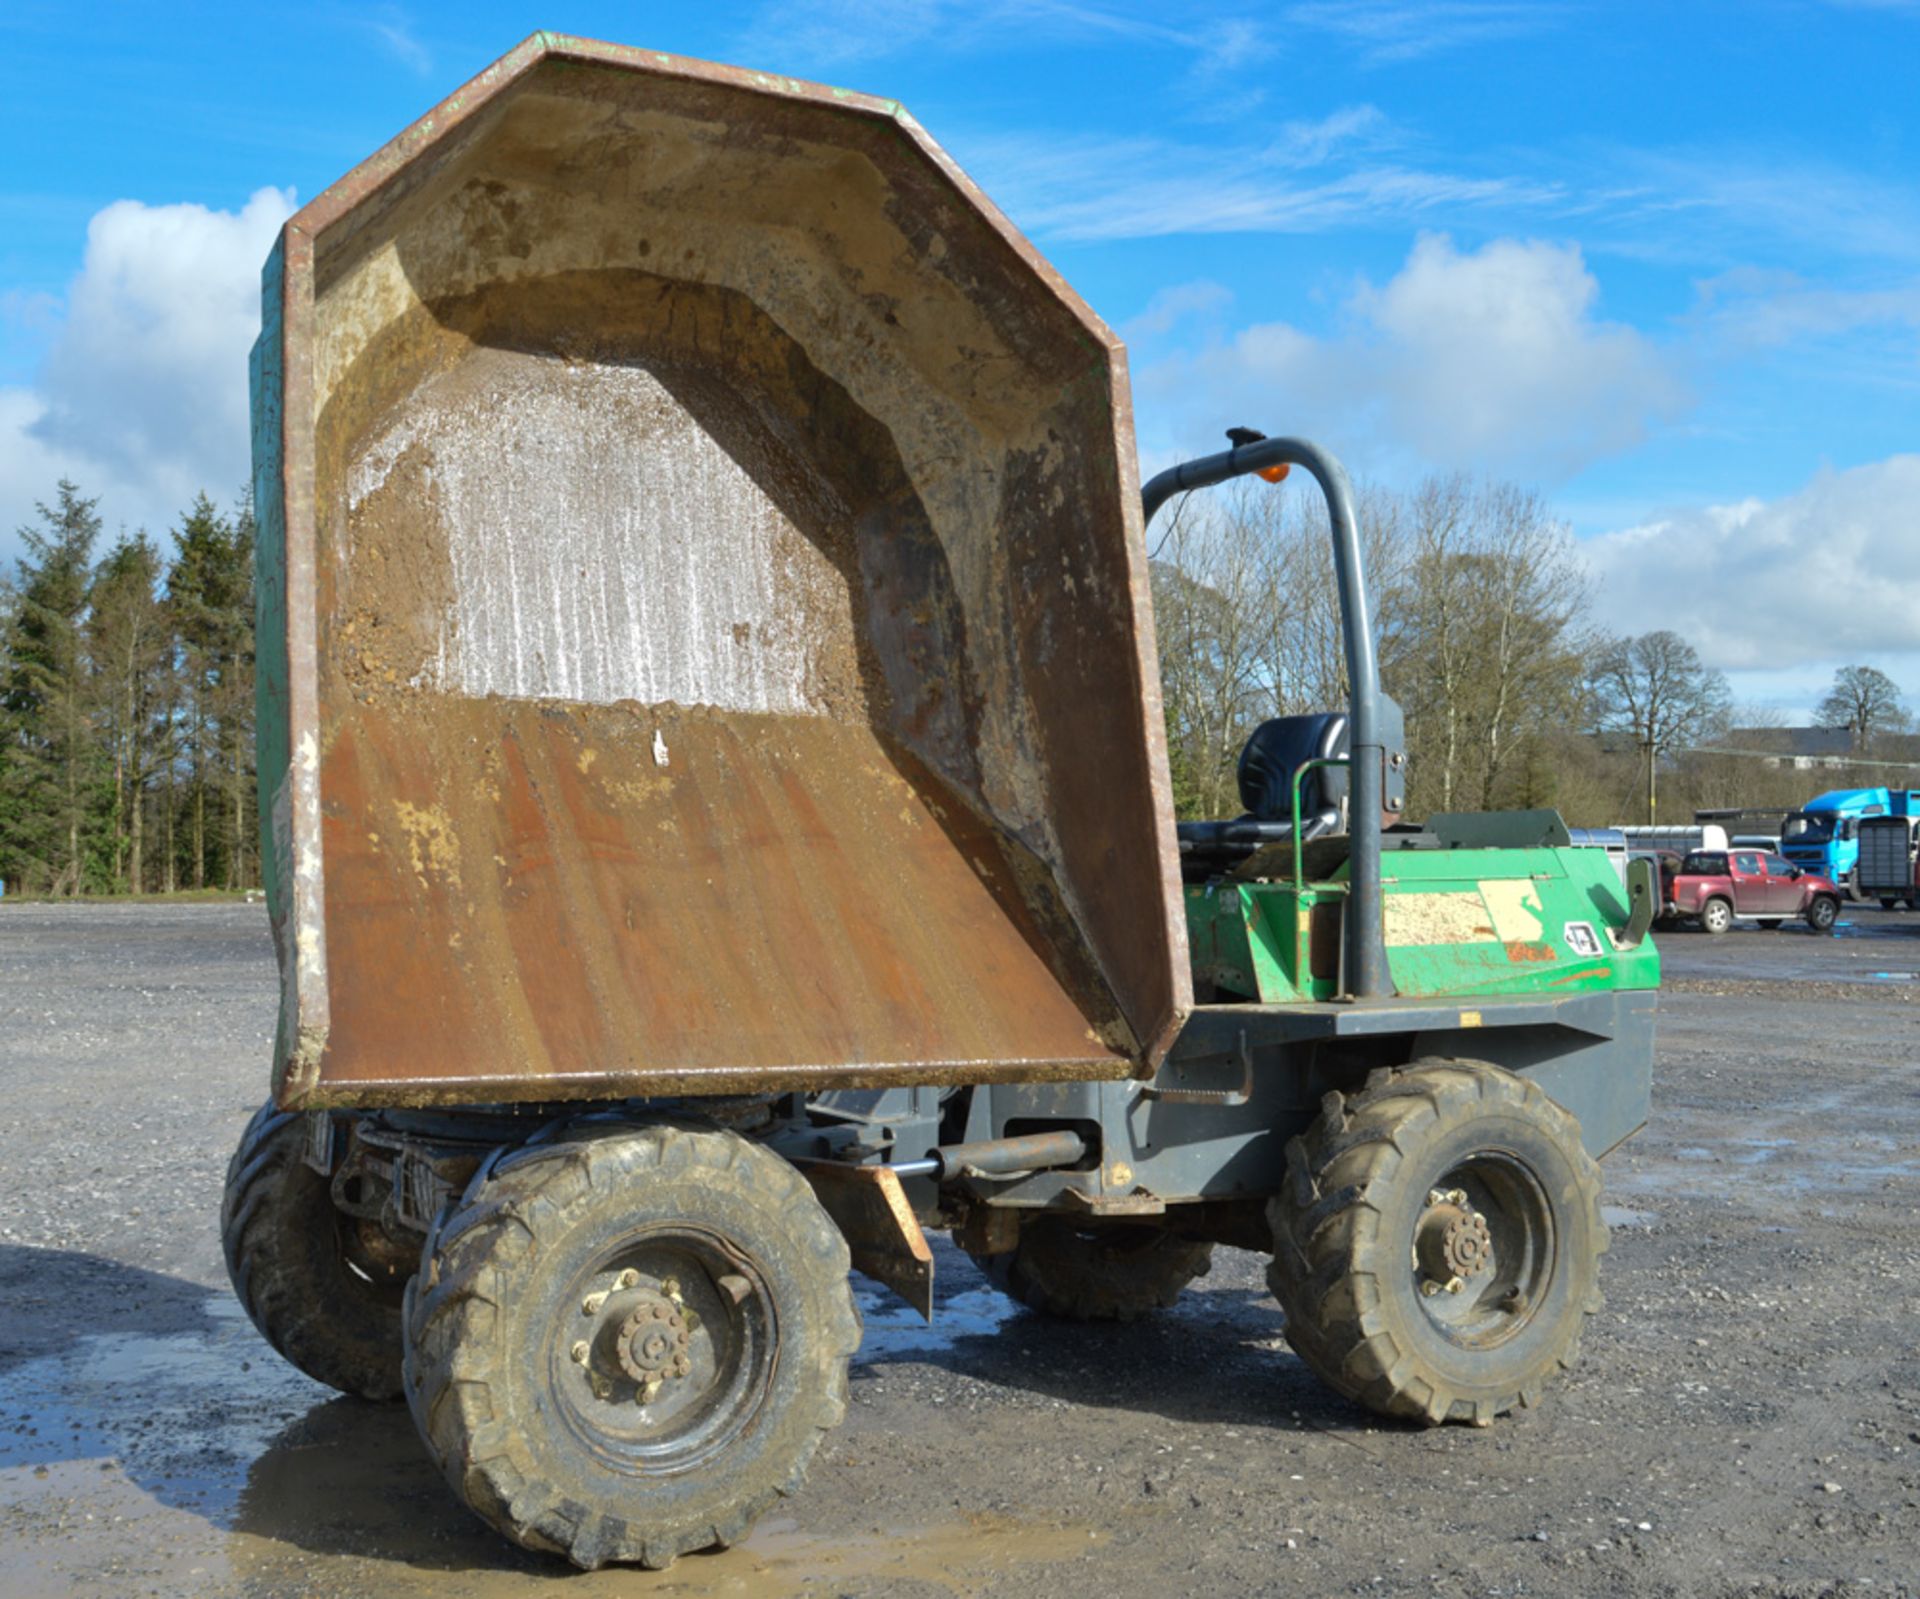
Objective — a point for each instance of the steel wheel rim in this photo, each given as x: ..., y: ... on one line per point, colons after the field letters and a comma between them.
x: 730, y: 1346
x: 1496, y: 1303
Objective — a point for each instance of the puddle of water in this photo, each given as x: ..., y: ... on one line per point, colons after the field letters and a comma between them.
x: 1757, y: 1171
x: 199, y: 1462
x: 122, y: 1456
x: 353, y: 1485
x: 894, y: 1329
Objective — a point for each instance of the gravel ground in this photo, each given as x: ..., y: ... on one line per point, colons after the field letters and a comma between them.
x: 1746, y: 1420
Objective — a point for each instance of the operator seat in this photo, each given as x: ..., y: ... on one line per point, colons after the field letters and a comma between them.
x: 1274, y: 753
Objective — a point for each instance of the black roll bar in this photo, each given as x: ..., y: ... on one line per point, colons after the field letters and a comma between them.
x: 1366, y: 948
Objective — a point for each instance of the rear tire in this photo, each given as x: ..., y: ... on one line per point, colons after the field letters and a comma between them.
x: 1084, y: 1272
x: 1371, y: 1213
x: 1888, y: 902
x: 1716, y: 916
x: 325, y: 1302
x: 1823, y: 913
x: 626, y: 1347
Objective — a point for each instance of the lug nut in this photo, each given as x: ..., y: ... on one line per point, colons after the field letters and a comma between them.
x: 628, y: 1278
x: 590, y: 1306
x: 580, y: 1352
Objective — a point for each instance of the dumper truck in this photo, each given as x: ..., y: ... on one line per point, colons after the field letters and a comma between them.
x: 718, y: 831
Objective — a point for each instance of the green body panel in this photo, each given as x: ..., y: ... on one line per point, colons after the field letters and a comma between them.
x: 1459, y: 922
x: 272, y: 717
x: 1257, y: 939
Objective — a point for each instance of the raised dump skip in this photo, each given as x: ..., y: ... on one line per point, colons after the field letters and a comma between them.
x: 704, y: 634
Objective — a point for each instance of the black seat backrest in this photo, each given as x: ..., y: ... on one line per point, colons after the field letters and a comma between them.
x: 1279, y: 748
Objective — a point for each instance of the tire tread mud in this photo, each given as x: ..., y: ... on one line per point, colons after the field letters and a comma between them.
x: 276, y: 1231
x: 1331, y: 1253
x: 1057, y: 1272
x: 474, y: 1394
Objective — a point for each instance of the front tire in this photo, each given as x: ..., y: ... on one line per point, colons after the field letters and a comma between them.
x: 1083, y: 1272
x: 1716, y: 916
x: 1823, y: 913
x: 626, y: 1347
x: 321, y: 1287
x: 1437, y: 1244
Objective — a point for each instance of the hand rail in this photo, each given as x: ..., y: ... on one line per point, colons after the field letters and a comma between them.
x: 1366, y: 949
x: 1300, y: 772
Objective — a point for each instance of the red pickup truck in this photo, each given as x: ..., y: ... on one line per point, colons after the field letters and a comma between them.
x: 1714, y: 886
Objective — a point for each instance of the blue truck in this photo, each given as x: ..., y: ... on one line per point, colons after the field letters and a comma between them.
x: 1824, y: 835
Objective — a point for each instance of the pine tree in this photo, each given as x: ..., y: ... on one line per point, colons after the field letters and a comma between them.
x: 130, y: 649
x: 50, y: 754
x: 237, y: 709
x: 210, y: 594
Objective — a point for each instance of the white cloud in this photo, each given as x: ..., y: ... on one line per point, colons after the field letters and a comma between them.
x: 1753, y: 309
x: 836, y: 32
x: 1391, y: 31
x: 1104, y: 189
x: 1497, y: 353
x: 394, y: 29
x: 1218, y: 37
x: 1491, y: 359
x: 1721, y: 205
x: 1178, y: 303
x: 1311, y: 144
x: 1828, y: 573
x: 142, y: 399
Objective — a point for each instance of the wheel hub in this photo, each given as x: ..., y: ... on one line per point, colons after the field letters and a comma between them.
x: 652, y: 1342
x: 1451, y: 1244
x: 638, y: 1334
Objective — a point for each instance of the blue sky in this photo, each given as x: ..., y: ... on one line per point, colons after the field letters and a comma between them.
x: 1660, y: 261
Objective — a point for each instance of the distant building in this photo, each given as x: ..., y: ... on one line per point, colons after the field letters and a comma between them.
x: 1808, y: 749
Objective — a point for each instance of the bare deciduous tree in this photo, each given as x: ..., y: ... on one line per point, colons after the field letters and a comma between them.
x: 1475, y: 590
x: 1656, y: 688
x: 1489, y: 654
x: 1866, y: 702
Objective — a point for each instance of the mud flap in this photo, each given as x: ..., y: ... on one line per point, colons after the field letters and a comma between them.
x: 869, y: 1206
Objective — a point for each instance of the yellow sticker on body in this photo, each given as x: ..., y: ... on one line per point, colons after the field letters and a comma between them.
x: 1459, y: 917
x: 1517, y: 914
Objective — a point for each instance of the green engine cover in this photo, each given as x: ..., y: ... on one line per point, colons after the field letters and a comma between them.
x: 1458, y: 922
